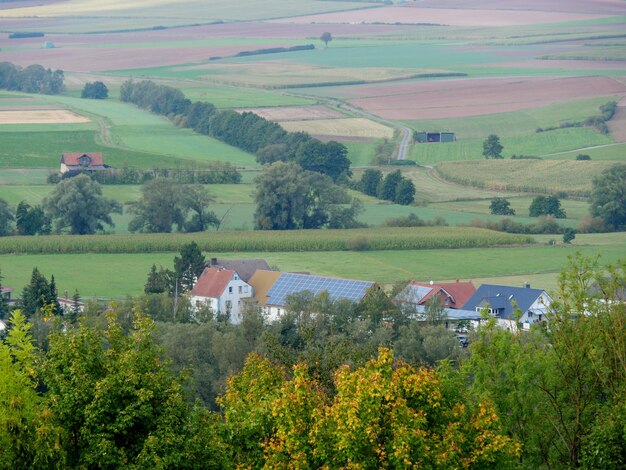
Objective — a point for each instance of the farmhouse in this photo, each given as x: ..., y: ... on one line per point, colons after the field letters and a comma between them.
x: 293, y: 283
x: 502, y: 302
x: 449, y: 294
x: 223, y: 291
x: 246, y: 268
x: 82, y: 162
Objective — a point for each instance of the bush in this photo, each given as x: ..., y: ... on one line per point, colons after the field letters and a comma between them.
x: 568, y: 235
x: 95, y: 91
x: 583, y: 156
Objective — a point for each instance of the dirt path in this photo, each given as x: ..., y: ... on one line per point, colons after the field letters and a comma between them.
x: 617, y: 125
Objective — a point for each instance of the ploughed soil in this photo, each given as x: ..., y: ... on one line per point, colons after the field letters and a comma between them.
x: 472, y: 97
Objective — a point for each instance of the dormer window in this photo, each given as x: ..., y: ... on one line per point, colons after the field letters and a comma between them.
x: 84, y: 161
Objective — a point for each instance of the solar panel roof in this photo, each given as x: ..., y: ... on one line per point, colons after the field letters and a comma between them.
x: 290, y: 283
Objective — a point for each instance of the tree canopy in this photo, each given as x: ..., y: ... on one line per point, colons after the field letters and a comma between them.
x: 330, y: 158
x: 6, y: 218
x: 546, y: 205
x: 326, y: 37
x: 608, y: 196
x: 289, y: 197
x: 78, y: 204
x: 501, y: 206
x: 95, y: 90
x: 492, y: 148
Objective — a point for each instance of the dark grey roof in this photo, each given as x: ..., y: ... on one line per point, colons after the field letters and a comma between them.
x: 501, y: 298
x: 244, y: 267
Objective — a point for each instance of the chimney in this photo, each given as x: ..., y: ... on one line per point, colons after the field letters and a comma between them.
x: 213, y: 261
x: 527, y: 285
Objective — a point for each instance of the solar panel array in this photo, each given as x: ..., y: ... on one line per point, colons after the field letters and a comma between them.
x: 289, y: 283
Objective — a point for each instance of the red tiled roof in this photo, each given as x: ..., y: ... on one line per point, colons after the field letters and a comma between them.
x: 72, y: 158
x: 459, y: 291
x: 212, y: 282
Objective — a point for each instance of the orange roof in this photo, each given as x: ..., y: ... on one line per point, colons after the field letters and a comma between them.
x: 262, y: 281
x: 212, y: 282
x: 73, y: 158
x: 456, y: 293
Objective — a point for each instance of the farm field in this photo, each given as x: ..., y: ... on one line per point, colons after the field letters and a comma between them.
x: 348, y: 127
x: 128, y: 136
x: 543, y: 176
x: 118, y: 275
x: 535, y: 144
x: 483, y: 70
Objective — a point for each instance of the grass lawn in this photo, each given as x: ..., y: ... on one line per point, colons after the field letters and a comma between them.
x: 117, y: 275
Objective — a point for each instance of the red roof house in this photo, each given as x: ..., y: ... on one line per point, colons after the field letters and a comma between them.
x: 450, y: 294
x: 222, y: 290
x: 92, y: 161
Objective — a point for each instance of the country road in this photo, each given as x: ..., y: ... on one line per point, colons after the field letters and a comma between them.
x: 405, y: 142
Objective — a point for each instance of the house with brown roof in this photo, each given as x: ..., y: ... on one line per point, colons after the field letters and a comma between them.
x: 223, y: 291
x: 92, y: 161
x: 451, y: 295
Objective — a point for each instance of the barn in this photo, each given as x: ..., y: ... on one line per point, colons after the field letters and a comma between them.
x: 432, y: 137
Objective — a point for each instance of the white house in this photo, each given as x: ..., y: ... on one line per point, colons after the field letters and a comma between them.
x: 223, y: 291
x: 502, y: 302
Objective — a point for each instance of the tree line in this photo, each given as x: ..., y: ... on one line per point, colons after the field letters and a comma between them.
x: 331, y: 384
x: 247, y: 131
x: 31, y: 79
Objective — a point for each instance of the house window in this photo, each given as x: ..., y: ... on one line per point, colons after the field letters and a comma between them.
x: 240, y: 289
x: 245, y: 289
x: 230, y: 290
x: 229, y: 304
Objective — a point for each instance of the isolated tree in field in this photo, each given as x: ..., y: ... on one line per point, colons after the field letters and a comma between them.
x: 96, y: 90
x: 546, y: 205
x: 6, y: 217
x: 405, y: 192
x: 608, y: 196
x: 569, y: 234
x: 159, y: 208
x: 31, y: 220
x: 370, y: 180
x: 289, y: 197
x: 492, y: 148
x: 78, y: 204
x: 326, y: 37
x: 501, y: 206
x: 330, y: 158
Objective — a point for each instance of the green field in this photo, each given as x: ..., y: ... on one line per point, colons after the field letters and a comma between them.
x: 543, y: 176
x: 535, y: 144
x: 613, y: 152
x: 117, y: 275
x: 126, y: 135
x: 518, y: 123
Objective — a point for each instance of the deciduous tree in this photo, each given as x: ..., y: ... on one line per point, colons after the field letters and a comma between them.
x: 501, y: 206
x: 96, y: 91
x: 78, y: 204
x: 330, y: 158
x: 289, y: 197
x: 6, y: 217
x: 31, y: 220
x: 326, y: 37
x: 492, y: 148
x: 608, y: 196
x: 159, y: 208
x: 370, y: 179
x: 546, y: 205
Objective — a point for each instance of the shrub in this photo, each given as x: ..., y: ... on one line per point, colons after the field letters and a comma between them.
x: 568, y: 235
x: 583, y: 156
